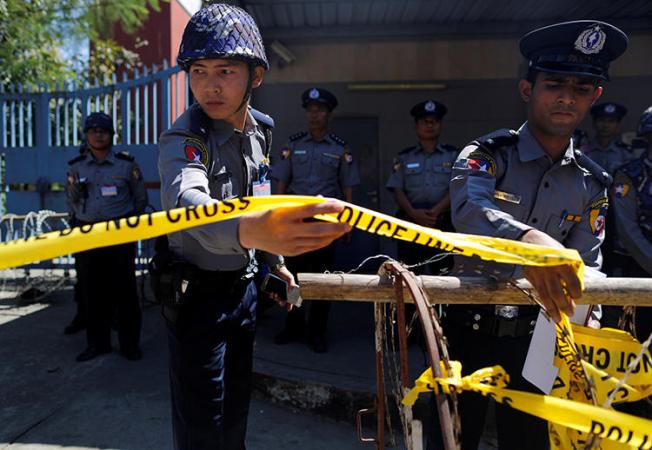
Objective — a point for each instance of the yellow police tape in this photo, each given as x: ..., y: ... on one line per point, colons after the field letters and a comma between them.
x: 102, y: 234
x: 610, y: 351
x: 570, y: 417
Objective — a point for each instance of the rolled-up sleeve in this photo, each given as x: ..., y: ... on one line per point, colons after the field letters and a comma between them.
x: 396, y: 179
x: 472, y: 197
x: 348, y: 175
x: 184, y: 182
x: 626, y: 213
x: 587, y: 236
x: 281, y: 167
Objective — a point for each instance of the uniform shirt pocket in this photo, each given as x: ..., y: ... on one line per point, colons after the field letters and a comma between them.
x: 413, y: 175
x: 330, y: 163
x: 221, y: 185
x: 559, y: 226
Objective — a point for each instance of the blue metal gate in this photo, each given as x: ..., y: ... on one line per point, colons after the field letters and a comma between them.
x: 41, y: 129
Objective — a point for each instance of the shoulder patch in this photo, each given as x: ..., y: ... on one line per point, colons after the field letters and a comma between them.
x: 337, y: 139
x: 195, y: 150
x: 76, y: 159
x: 298, y: 136
x: 480, y: 160
x: 125, y: 156
x: 262, y: 118
x: 621, y: 186
x: 598, y: 216
x: 407, y: 150
x: 594, y: 168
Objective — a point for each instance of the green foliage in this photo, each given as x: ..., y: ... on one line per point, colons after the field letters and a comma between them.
x: 32, y: 33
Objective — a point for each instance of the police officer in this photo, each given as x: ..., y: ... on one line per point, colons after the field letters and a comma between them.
x: 314, y: 162
x: 631, y: 195
x: 532, y: 185
x: 103, y: 185
x: 216, y: 150
x: 610, y: 152
x: 607, y: 149
x: 419, y: 181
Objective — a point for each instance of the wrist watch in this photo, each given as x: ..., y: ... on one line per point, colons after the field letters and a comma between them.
x: 277, y: 267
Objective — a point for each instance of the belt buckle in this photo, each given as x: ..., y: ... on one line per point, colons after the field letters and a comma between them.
x: 506, y: 311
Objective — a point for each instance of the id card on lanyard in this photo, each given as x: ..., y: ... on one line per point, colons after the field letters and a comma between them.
x: 263, y: 186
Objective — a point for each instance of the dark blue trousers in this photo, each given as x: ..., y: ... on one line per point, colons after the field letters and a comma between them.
x: 211, y: 352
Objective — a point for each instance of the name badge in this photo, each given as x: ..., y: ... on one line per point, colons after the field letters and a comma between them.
x: 412, y: 165
x: 262, y: 188
x: 506, y: 196
x: 109, y: 191
x: 299, y: 152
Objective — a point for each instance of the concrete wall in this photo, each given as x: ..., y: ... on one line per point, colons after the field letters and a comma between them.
x: 479, y: 78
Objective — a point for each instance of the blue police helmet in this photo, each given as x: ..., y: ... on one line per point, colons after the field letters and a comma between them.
x: 645, y: 124
x: 581, y: 47
x: 608, y: 110
x: 319, y: 95
x: 429, y: 108
x: 221, y: 31
x: 99, y: 120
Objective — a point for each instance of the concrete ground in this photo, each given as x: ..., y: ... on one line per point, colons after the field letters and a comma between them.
x: 47, y: 400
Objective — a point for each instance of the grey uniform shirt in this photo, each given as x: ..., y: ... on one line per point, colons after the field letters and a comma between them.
x: 115, y: 187
x: 610, y: 158
x: 632, y: 202
x: 506, y: 191
x: 310, y: 167
x: 423, y: 176
x: 201, y: 161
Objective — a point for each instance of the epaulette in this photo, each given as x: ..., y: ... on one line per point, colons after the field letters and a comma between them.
x: 199, y: 122
x: 624, y: 146
x: 594, y: 168
x: 124, y: 155
x: 337, y: 139
x: 262, y: 118
x: 76, y: 159
x: 299, y: 135
x: 406, y: 150
x: 497, y: 139
x: 449, y: 148
x: 632, y: 169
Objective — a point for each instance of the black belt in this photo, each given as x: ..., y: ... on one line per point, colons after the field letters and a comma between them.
x: 486, y: 321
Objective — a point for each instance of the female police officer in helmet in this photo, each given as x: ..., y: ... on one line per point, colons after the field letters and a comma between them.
x: 214, y: 151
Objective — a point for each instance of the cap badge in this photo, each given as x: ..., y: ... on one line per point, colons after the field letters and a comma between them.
x: 591, y: 40
x: 429, y: 106
x: 610, y: 109
x: 313, y: 94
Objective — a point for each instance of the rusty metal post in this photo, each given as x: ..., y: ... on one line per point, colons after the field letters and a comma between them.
x: 445, y: 418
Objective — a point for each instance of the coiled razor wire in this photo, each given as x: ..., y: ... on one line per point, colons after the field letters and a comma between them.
x: 34, y: 282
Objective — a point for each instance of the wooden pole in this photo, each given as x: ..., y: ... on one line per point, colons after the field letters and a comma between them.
x: 466, y: 290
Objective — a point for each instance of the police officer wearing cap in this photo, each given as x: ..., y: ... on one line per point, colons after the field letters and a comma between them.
x: 610, y: 152
x: 532, y: 185
x: 419, y: 181
x: 607, y: 149
x: 103, y: 185
x: 216, y: 151
x: 631, y: 195
x: 314, y: 162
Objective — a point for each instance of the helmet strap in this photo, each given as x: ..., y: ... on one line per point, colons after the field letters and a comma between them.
x: 247, y: 94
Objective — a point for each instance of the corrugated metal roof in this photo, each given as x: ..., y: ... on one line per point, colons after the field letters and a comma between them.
x: 305, y: 19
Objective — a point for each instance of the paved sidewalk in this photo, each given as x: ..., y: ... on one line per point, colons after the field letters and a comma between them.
x: 47, y: 400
